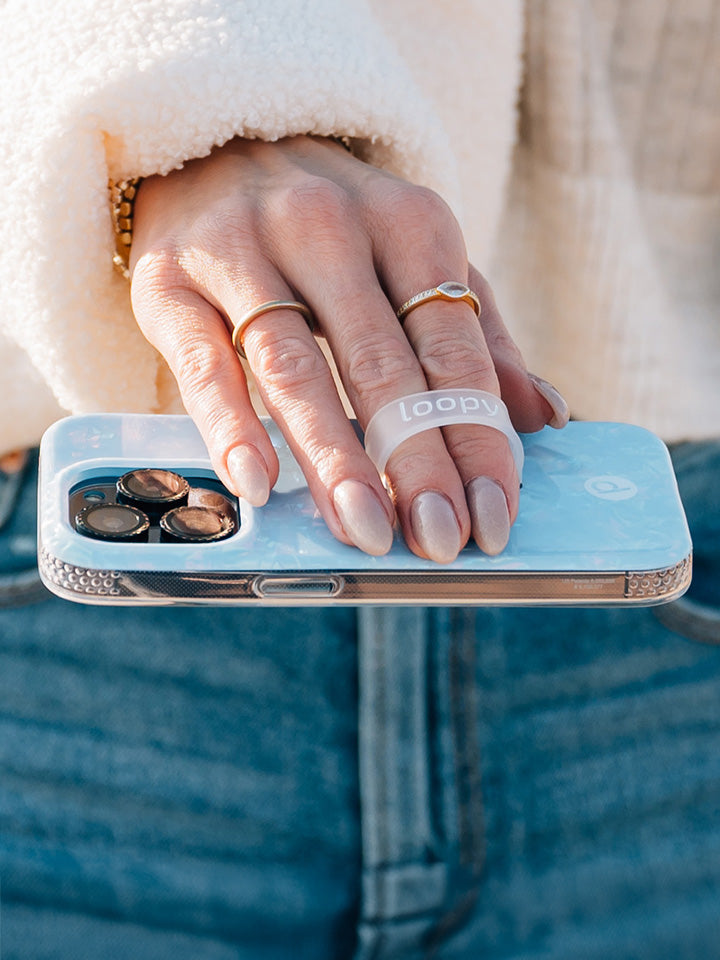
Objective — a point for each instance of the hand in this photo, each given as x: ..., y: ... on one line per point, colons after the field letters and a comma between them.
x: 13, y: 462
x: 301, y: 219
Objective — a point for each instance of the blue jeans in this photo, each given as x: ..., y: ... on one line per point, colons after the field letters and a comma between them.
x: 450, y: 783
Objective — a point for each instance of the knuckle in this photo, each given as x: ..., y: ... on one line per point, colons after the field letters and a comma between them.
x: 227, y: 227
x: 501, y: 343
x: 326, y: 458
x: 372, y: 365
x: 498, y: 337
x: 283, y: 359
x: 421, y: 210
x: 315, y: 204
x: 418, y: 202
x: 481, y: 447
x: 201, y: 362
x: 454, y: 360
x: 158, y: 273
x: 408, y: 465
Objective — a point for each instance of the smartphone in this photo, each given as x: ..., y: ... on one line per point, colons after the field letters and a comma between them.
x: 130, y: 512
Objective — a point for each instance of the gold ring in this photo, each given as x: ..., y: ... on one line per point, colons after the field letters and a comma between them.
x: 450, y: 290
x: 245, y: 321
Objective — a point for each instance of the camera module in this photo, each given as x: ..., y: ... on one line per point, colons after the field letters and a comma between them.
x: 153, y: 505
x: 112, y: 521
x: 153, y: 490
x: 195, y: 524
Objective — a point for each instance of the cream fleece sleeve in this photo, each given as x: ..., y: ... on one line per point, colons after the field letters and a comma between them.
x: 113, y: 88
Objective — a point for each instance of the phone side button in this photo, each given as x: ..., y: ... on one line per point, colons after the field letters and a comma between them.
x: 315, y: 587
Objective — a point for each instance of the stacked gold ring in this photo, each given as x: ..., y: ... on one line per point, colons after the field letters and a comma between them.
x: 245, y: 321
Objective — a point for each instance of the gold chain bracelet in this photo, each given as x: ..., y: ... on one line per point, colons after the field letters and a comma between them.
x: 343, y: 142
x: 122, y: 206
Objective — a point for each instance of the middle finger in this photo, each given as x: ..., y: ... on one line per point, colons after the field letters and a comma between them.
x: 377, y: 364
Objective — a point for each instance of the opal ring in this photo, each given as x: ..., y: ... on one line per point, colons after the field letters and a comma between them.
x: 451, y: 290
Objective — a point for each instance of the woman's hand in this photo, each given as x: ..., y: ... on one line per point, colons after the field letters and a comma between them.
x: 301, y: 219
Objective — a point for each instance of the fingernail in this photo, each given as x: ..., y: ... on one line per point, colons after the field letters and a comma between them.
x: 561, y: 413
x: 488, y: 514
x: 249, y: 474
x: 435, y: 526
x: 363, y: 517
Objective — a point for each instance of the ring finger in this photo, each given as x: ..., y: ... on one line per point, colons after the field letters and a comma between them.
x: 450, y: 345
x: 451, y: 348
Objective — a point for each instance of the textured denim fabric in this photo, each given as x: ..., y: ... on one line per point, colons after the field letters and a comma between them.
x: 450, y: 783
x: 175, y: 782
x: 546, y: 783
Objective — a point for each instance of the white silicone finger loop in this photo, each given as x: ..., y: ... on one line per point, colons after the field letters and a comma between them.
x: 406, y: 416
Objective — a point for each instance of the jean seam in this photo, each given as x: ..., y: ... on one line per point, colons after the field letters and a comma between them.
x: 468, y: 803
x: 467, y: 750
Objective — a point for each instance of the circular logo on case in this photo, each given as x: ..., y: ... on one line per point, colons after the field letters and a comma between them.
x: 611, y: 488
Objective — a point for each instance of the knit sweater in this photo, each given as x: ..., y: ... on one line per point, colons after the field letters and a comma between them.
x: 595, y: 218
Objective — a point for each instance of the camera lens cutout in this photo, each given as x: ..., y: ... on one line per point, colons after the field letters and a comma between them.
x: 195, y: 524
x: 112, y: 521
x: 153, y: 490
x: 154, y: 505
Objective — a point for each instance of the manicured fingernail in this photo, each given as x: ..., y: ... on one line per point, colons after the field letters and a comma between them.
x: 249, y: 474
x: 561, y: 413
x: 488, y: 514
x: 435, y: 526
x: 363, y: 517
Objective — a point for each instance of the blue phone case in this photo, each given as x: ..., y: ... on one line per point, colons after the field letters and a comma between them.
x: 600, y: 522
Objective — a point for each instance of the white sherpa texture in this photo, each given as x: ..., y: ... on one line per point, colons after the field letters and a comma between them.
x: 109, y: 88
x: 608, y: 252
x: 28, y: 406
x: 607, y: 236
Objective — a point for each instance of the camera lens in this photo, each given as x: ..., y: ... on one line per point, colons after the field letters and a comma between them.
x: 112, y: 521
x: 195, y: 525
x: 153, y: 491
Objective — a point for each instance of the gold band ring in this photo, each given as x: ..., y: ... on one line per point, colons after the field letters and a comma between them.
x: 269, y: 305
x: 450, y: 290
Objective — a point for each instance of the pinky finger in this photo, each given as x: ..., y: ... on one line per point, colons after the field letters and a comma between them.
x: 531, y: 401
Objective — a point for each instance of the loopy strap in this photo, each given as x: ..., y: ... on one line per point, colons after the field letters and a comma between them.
x: 406, y: 416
